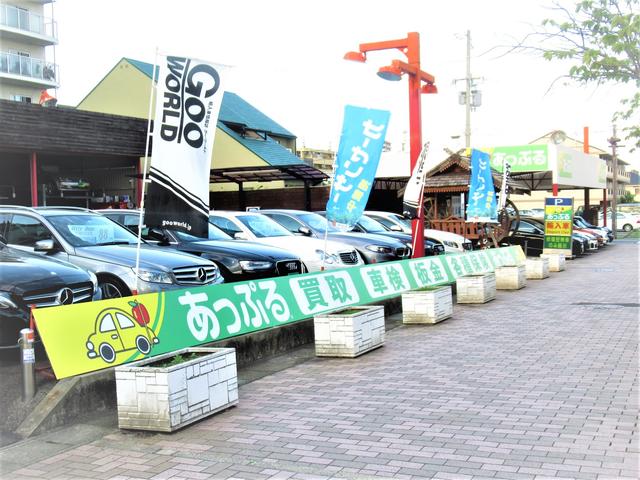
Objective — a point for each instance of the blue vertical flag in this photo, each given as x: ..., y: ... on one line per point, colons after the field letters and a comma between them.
x: 361, y: 142
x: 481, y: 205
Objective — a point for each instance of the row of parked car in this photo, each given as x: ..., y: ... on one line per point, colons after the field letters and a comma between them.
x: 586, y: 237
x: 63, y: 255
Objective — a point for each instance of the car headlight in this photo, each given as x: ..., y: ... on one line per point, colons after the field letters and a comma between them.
x: 328, y: 258
x: 90, y: 346
x: 252, y: 266
x: 379, y: 249
x: 6, y: 302
x: 449, y: 243
x: 154, y: 277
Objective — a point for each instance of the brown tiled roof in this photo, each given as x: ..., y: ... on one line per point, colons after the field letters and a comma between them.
x: 438, y: 179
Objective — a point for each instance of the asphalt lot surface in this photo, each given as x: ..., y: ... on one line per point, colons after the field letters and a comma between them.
x: 539, y: 383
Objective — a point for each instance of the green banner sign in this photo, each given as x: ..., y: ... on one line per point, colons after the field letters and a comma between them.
x: 525, y: 158
x: 91, y: 336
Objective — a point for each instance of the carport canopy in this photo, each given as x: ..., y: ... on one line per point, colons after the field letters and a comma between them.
x: 267, y: 173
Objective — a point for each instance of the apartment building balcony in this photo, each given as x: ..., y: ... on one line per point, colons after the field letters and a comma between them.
x: 22, y: 70
x: 623, y: 177
x: 23, y: 26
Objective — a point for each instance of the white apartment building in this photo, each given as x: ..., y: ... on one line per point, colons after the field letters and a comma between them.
x: 27, y: 36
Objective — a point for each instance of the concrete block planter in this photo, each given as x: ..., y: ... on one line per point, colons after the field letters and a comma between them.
x: 476, y: 288
x: 511, y: 277
x: 428, y: 305
x: 164, y: 399
x: 556, y: 261
x: 537, y: 268
x: 349, y: 332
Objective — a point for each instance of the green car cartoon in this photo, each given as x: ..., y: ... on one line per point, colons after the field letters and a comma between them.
x: 117, y: 331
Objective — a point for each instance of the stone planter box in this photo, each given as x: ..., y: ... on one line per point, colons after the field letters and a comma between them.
x: 476, y: 288
x: 537, y: 268
x: 165, y: 399
x: 349, y: 332
x: 556, y: 261
x: 511, y: 277
x: 429, y: 305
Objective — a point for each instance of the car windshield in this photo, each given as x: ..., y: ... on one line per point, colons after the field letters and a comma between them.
x: 582, y: 223
x: 82, y: 230
x: 318, y: 223
x: 402, y: 220
x: 214, y: 234
x: 370, y: 225
x: 262, y: 226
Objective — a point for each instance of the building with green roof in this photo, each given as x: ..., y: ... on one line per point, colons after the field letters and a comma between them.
x: 245, y: 136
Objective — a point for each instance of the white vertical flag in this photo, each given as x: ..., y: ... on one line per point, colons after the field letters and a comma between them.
x: 189, y: 95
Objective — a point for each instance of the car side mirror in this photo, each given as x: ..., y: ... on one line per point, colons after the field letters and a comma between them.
x: 155, y: 234
x: 395, y: 228
x: 306, y: 231
x: 44, y: 246
x: 240, y: 236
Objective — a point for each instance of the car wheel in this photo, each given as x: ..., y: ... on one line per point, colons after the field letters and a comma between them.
x: 107, y: 353
x: 627, y: 227
x: 142, y: 343
x: 112, y: 288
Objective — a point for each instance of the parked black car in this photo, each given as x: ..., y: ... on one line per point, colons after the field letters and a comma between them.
x: 530, y: 237
x: 372, y: 248
x: 236, y: 260
x: 370, y: 226
x: 31, y: 279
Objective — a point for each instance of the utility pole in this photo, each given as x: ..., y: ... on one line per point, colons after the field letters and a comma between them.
x: 613, y: 142
x: 470, y: 97
x: 467, y: 106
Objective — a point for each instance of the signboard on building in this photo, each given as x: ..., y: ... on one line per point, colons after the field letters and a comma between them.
x: 522, y: 158
x: 558, y: 225
x: 579, y: 169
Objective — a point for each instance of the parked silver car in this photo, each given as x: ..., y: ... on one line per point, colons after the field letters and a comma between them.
x: 100, y: 245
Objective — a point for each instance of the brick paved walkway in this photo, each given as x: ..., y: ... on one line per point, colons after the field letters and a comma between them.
x: 541, y: 382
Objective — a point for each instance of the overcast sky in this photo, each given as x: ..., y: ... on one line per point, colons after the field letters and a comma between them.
x: 287, y: 61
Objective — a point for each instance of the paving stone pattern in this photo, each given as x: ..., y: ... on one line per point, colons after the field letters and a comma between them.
x: 540, y: 383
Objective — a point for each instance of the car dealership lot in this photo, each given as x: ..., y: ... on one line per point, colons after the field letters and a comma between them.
x: 540, y: 382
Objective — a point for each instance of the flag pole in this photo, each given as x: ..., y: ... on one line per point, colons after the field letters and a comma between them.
x: 144, y: 170
x: 326, y: 230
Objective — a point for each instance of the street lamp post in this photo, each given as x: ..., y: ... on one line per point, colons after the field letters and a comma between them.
x: 410, y: 46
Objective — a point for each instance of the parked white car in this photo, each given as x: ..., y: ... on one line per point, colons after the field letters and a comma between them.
x: 624, y: 221
x: 260, y: 228
x: 452, y: 242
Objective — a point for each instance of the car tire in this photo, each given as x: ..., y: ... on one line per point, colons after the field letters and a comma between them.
x: 627, y: 227
x: 143, y: 345
x: 107, y: 353
x: 112, y: 287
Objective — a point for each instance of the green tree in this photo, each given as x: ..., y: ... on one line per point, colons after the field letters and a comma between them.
x: 628, y: 197
x: 602, y: 40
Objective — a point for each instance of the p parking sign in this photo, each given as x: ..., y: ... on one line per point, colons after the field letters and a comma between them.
x: 558, y: 225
